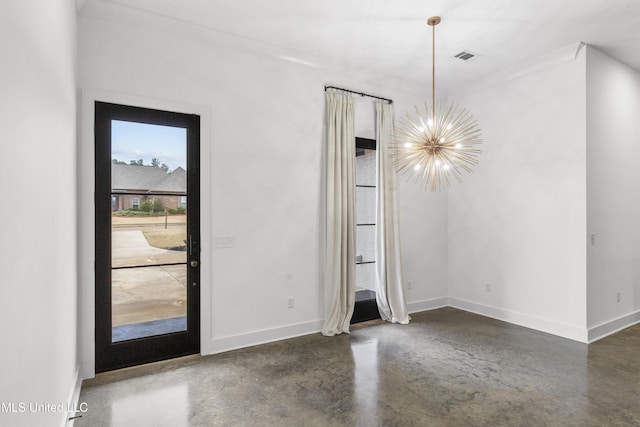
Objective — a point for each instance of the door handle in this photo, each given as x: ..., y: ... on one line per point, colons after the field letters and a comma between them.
x: 193, y: 263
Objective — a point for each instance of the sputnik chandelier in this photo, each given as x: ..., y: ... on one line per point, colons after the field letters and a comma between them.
x: 439, y: 144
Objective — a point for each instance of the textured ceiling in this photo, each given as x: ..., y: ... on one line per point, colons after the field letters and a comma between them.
x: 391, y: 38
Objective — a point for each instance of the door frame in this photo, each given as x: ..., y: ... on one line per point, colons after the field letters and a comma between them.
x: 114, y: 355
x: 365, y: 309
x: 86, y: 215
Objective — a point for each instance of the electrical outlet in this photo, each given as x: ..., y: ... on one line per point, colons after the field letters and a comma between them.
x: 290, y: 302
x: 409, y: 284
x: 487, y: 287
x: 618, y: 297
x: 593, y: 239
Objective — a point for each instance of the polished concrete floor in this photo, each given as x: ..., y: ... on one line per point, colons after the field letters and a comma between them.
x: 446, y: 368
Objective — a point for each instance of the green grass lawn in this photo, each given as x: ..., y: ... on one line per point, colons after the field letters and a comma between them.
x: 166, y: 238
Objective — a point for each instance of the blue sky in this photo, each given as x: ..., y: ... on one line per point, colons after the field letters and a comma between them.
x: 133, y: 141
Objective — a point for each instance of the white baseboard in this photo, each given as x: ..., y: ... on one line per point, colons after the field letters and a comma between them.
x: 228, y: 343
x: 428, y: 304
x: 612, y: 326
x: 73, y: 407
x: 222, y: 344
x: 520, y: 319
x: 233, y: 342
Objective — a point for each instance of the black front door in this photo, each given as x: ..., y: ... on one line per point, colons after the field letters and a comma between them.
x: 147, y: 273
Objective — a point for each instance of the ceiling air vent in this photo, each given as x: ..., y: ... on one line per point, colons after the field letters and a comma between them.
x: 465, y: 55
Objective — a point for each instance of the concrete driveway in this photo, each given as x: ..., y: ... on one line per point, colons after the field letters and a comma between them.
x: 147, y: 293
x: 130, y: 248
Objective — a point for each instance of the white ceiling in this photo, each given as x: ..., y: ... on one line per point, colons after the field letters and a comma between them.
x: 391, y: 38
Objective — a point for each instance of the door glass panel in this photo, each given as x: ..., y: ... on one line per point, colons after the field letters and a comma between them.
x: 365, y: 179
x: 365, y: 166
x: 148, y: 230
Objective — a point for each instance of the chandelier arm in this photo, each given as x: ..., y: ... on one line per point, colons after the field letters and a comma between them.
x: 464, y: 165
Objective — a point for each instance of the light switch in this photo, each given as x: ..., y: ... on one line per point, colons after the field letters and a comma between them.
x: 224, y: 242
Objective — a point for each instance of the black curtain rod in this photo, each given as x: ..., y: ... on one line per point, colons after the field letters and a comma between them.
x: 390, y: 101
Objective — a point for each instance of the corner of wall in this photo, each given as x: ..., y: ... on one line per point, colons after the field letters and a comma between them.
x: 73, y: 405
x: 613, y: 212
x: 525, y: 320
x: 516, y: 237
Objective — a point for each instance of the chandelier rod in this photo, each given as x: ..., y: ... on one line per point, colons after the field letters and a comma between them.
x: 433, y: 21
x: 433, y: 69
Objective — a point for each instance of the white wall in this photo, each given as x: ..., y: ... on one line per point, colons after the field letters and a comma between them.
x: 423, y: 221
x: 613, y: 198
x: 38, y: 269
x: 265, y: 164
x: 518, y: 223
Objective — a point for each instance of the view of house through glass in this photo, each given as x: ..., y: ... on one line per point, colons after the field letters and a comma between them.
x: 148, y: 230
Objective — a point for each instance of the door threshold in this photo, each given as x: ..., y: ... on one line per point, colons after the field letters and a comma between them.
x: 141, y: 370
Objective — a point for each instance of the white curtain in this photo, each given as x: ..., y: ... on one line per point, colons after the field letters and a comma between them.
x: 389, y: 279
x: 339, y: 277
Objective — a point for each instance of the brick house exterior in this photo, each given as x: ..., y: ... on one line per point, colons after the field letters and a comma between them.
x: 132, y: 185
